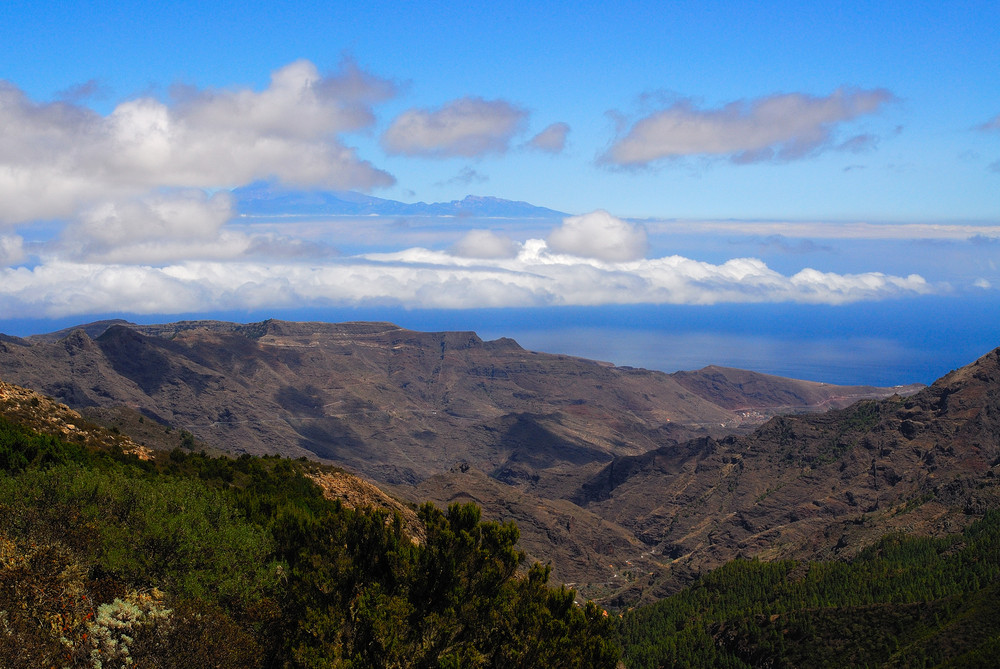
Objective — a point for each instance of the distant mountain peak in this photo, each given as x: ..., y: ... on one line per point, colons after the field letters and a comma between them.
x: 266, y: 199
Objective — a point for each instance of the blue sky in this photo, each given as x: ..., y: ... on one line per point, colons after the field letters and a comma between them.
x: 804, y: 157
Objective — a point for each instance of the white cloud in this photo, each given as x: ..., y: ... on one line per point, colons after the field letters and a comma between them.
x: 159, y: 227
x: 600, y: 235
x: 60, y: 288
x: 298, y: 104
x: 172, y: 226
x: 188, y: 214
x: 485, y: 244
x: 227, y: 245
x: 467, y: 127
x: 777, y: 127
x: 552, y: 139
x: 57, y: 158
x: 11, y: 250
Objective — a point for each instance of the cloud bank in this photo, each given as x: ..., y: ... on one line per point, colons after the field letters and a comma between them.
x: 485, y: 244
x: 776, y: 127
x: 484, y: 269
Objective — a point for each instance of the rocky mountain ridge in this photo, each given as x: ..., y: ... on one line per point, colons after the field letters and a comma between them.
x: 627, y: 480
x: 263, y: 199
x: 394, y: 404
x: 815, y: 486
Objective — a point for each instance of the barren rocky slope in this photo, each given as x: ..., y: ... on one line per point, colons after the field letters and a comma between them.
x: 593, y: 461
x: 815, y: 486
x: 393, y: 404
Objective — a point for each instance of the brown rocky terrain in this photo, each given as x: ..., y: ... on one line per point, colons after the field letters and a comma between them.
x: 356, y: 493
x: 442, y: 416
x: 814, y: 486
x: 730, y: 388
x: 394, y: 404
x: 581, y: 546
x: 46, y: 416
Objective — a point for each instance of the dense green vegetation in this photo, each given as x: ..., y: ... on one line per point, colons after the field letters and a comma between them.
x: 906, y: 602
x: 187, y: 560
